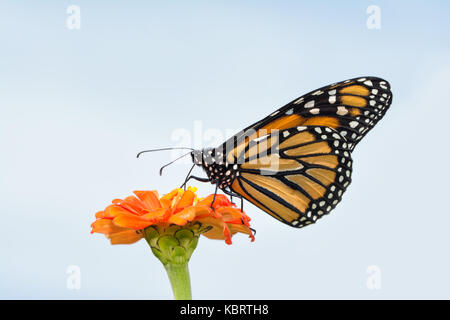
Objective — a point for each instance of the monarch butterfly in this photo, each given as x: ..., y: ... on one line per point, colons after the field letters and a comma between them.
x: 296, y: 163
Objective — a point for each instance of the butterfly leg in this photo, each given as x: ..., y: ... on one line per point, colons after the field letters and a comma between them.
x: 232, y: 194
x: 187, y: 178
x: 215, y: 194
x: 242, y: 210
x: 195, y: 178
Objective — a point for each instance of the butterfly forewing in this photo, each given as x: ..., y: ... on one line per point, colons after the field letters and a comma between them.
x: 351, y: 107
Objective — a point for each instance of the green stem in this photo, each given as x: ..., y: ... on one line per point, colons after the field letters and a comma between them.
x: 180, y: 281
x: 173, y: 245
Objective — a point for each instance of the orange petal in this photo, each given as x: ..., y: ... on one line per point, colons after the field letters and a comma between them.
x: 214, y: 234
x: 220, y: 201
x: 186, y: 199
x: 105, y: 226
x: 134, y: 205
x: 149, y: 198
x: 219, y: 229
x: 206, y: 201
x: 167, y: 200
x: 131, y: 221
x: 156, y: 215
x: 170, y: 195
x: 104, y: 214
x: 100, y: 215
x: 114, y: 210
x: 125, y: 237
x: 182, y: 217
x: 235, y: 228
x: 229, y: 213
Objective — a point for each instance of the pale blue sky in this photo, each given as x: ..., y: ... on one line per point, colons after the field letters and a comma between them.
x: 76, y: 106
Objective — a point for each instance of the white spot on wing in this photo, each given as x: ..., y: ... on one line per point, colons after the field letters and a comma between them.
x: 300, y: 100
x: 309, y: 104
x: 275, y: 113
x: 341, y: 111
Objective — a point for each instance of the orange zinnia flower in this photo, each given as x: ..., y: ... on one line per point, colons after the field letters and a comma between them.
x: 171, y: 225
x: 124, y: 221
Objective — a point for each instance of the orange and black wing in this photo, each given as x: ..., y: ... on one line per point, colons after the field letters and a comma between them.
x: 297, y: 175
x: 351, y: 107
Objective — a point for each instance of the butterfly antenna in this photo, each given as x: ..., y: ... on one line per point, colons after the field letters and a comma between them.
x: 161, y: 170
x: 163, y: 149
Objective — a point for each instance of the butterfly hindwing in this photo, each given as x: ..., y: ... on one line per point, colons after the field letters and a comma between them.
x: 296, y: 175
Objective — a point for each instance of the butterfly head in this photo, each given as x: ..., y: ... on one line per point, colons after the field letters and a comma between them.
x: 203, y: 158
x: 197, y: 157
